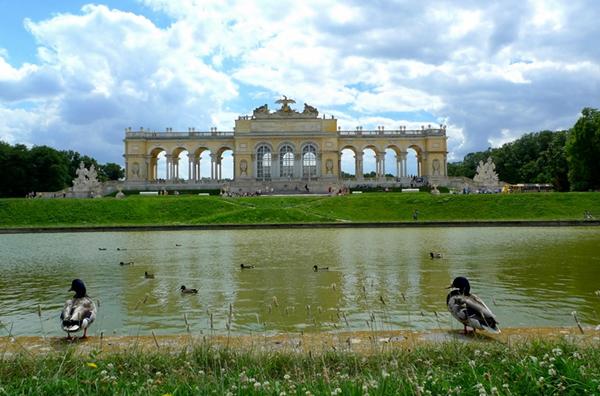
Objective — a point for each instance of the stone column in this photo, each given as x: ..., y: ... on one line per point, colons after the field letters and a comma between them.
x: 275, y: 173
x: 146, y: 168
x: 213, y: 166
x: 298, y: 166
x: 169, y: 160
x: 445, y: 169
x: 235, y: 165
x: 358, y: 165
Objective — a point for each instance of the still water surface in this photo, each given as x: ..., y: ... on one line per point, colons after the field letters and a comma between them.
x: 528, y: 276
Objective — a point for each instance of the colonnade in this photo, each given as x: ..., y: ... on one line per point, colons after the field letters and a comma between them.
x: 194, y: 173
x: 401, y: 166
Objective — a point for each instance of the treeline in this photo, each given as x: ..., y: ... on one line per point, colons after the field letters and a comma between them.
x: 42, y: 168
x: 570, y: 160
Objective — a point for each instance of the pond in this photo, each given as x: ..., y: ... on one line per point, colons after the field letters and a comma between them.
x: 377, y: 278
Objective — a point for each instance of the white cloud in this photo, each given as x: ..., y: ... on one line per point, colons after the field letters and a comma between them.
x: 482, y: 68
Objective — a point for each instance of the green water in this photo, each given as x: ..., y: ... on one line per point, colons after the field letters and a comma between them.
x: 528, y: 276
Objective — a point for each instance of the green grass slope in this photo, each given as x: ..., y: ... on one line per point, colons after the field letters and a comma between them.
x: 376, y: 207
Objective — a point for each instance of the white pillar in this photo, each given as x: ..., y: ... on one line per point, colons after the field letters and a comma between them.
x: 168, y: 159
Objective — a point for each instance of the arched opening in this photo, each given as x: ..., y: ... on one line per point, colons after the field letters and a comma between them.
x: 286, y: 161
x: 309, y: 161
x: 263, y: 162
x: 412, y: 162
x: 392, y: 167
x: 205, y: 170
x: 225, y: 164
x: 348, y: 163
x: 369, y: 163
x: 158, y: 165
x: 181, y: 165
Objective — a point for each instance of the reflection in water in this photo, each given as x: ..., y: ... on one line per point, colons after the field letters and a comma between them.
x: 378, y: 278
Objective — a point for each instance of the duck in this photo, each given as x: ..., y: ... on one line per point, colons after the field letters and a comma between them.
x: 148, y: 275
x: 469, y: 309
x: 185, y: 290
x: 126, y: 263
x: 101, y: 248
x: 119, y: 249
x: 79, y: 312
x: 435, y: 255
x: 246, y: 266
x: 178, y: 244
x: 316, y: 268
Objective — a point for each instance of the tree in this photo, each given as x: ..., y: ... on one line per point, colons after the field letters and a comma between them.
x: 583, y: 151
x: 533, y: 158
x: 111, y: 171
x: 49, y: 169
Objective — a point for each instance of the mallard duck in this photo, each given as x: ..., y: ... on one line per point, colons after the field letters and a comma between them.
x: 119, y: 249
x: 178, y: 244
x: 188, y: 291
x: 246, y: 266
x: 148, y: 275
x: 101, y: 248
x: 435, y: 255
x: 469, y: 309
x: 79, y: 312
x: 126, y: 263
x: 316, y: 268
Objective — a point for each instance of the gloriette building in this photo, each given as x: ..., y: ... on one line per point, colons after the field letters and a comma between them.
x: 283, y: 149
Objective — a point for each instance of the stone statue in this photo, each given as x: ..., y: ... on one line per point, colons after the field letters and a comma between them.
x: 436, y: 167
x: 135, y: 169
x: 87, y: 180
x: 243, y: 167
x: 329, y: 166
x: 308, y: 109
x: 81, y: 173
x: 264, y: 109
x: 486, y: 174
x: 285, y: 104
x: 92, y: 175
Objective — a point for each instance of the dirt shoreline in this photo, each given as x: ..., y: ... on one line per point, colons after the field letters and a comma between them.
x: 364, y: 342
x: 391, y: 224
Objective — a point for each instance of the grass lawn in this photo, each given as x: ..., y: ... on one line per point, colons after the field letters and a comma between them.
x: 372, y: 207
x: 521, y: 368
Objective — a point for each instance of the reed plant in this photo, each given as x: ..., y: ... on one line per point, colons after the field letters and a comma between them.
x: 490, y: 368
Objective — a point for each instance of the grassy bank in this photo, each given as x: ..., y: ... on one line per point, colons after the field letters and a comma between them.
x: 375, y: 207
x: 537, y: 367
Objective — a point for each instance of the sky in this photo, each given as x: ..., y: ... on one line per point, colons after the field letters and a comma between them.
x: 74, y: 75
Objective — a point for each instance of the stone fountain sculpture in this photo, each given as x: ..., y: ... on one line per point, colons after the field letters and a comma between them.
x: 86, y: 183
x: 486, y: 174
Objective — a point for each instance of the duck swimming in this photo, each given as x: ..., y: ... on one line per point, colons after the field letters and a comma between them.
x: 246, y: 266
x: 435, y: 255
x: 78, y: 312
x: 469, y: 309
x: 126, y: 263
x: 148, y: 275
x: 185, y: 290
x: 317, y: 268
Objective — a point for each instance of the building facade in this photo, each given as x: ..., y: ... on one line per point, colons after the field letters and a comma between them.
x: 283, y: 147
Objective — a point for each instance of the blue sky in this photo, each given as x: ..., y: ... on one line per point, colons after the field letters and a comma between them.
x: 74, y: 74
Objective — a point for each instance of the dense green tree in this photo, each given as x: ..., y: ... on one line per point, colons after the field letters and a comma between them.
x: 111, y: 171
x: 49, y: 169
x: 533, y: 158
x: 583, y: 151
x: 44, y: 169
x: 14, y: 170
